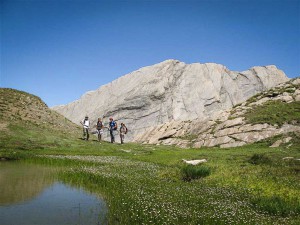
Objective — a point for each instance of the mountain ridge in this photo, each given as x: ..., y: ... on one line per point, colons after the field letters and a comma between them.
x: 171, y: 90
x: 165, y: 61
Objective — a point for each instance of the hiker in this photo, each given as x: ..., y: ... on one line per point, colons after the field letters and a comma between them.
x: 123, y: 131
x: 99, y: 129
x: 112, y: 127
x: 86, y: 125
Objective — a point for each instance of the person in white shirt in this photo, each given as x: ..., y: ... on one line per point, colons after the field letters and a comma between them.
x: 86, y: 125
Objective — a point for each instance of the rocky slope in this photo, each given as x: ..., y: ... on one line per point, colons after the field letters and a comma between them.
x: 265, y: 115
x: 171, y: 91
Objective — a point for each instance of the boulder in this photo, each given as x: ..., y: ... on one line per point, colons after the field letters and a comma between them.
x: 288, y: 158
x: 254, y: 136
x: 169, y: 141
x: 217, y: 141
x: 296, y: 95
x: 250, y: 127
x: 284, y: 98
x: 194, y: 162
x: 276, y: 144
x: 296, y: 81
x: 198, y: 144
x: 231, y: 123
x: 233, y: 144
x: 198, y: 126
x: 279, y: 142
x: 286, y: 128
x: 226, y: 132
x: 260, y: 102
x: 167, y: 134
x: 183, y: 143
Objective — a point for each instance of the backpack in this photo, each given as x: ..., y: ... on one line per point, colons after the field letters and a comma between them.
x: 99, y: 125
x: 115, y: 125
x: 123, y: 129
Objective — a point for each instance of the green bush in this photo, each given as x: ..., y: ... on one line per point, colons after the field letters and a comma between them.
x: 191, y: 172
x: 257, y: 159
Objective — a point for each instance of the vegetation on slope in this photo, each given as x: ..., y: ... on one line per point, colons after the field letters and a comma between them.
x: 20, y: 107
x: 288, y: 87
x: 27, y: 123
x: 274, y: 112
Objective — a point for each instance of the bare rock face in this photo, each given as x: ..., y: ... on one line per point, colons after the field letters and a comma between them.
x: 228, y: 129
x: 171, y: 91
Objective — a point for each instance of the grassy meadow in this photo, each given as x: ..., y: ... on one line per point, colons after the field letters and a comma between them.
x: 147, y: 184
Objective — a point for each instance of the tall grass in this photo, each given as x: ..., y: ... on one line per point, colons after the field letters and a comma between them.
x: 190, y: 172
x: 276, y: 205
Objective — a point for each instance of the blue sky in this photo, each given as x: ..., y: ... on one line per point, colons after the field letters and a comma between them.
x: 59, y: 49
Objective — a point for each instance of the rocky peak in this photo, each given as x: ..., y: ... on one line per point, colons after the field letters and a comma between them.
x: 171, y: 91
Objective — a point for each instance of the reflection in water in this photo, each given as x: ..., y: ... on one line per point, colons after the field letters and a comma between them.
x: 33, y: 198
x: 20, y: 182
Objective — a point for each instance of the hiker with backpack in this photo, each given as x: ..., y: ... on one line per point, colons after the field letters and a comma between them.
x: 99, y: 127
x: 112, y: 127
x: 123, y: 131
x: 86, y: 125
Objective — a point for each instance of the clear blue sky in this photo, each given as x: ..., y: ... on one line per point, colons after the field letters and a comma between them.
x: 60, y: 49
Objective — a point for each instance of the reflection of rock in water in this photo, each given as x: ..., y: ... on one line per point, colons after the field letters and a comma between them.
x: 20, y: 182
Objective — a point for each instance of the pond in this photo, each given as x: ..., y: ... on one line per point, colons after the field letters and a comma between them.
x: 30, y: 194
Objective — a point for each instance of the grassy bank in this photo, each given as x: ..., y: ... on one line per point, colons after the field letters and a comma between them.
x: 146, y: 185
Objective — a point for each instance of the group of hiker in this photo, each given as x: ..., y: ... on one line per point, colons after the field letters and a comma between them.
x: 112, y: 128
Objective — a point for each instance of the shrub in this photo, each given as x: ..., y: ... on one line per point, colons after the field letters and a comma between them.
x: 257, y: 159
x: 191, y: 172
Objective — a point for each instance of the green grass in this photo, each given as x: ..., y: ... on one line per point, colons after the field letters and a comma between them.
x: 276, y: 205
x: 145, y: 185
x: 191, y: 172
x: 274, y: 112
x: 153, y: 193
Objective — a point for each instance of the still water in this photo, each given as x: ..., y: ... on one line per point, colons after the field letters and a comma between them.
x: 30, y: 194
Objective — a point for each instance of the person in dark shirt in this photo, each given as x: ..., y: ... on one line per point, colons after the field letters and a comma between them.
x: 123, y: 131
x: 99, y: 129
x: 112, y: 127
